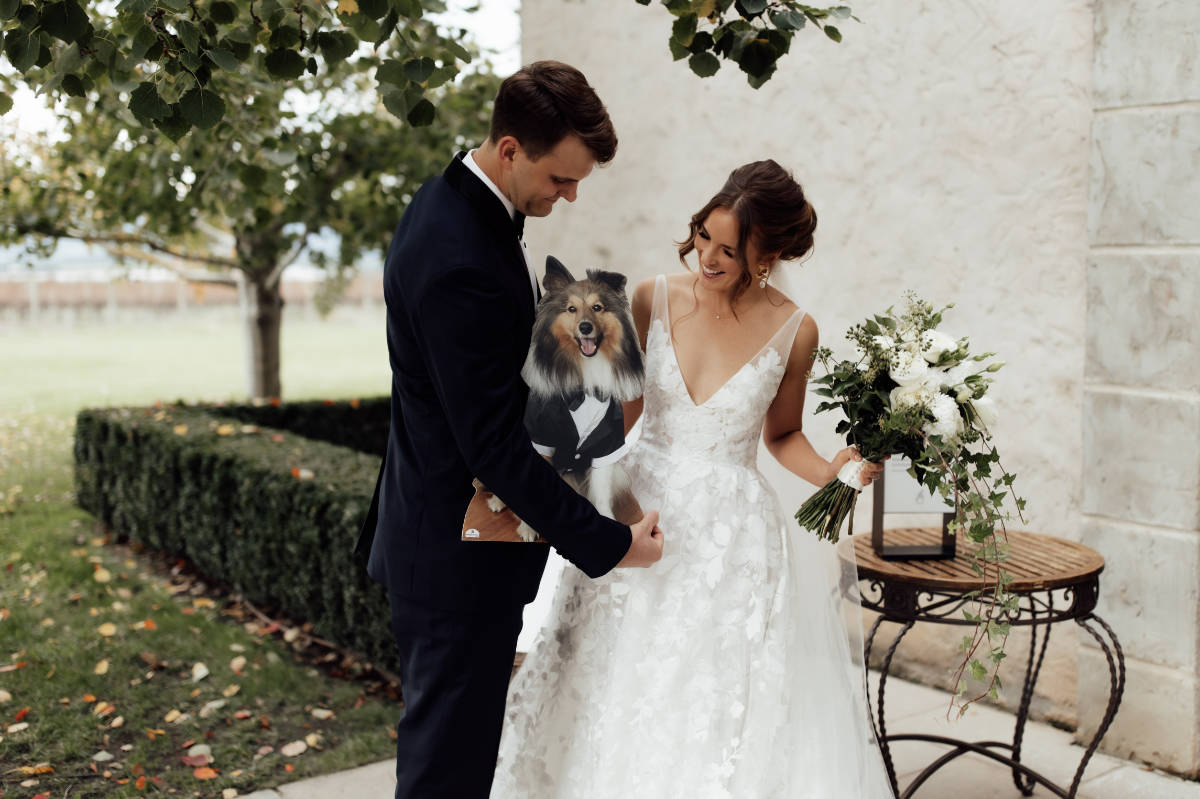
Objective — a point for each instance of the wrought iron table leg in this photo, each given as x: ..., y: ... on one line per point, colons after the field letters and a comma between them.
x: 1032, y: 668
x: 881, y: 735
x: 1116, y: 674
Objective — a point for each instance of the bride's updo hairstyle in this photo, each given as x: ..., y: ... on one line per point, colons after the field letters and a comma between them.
x: 770, y: 209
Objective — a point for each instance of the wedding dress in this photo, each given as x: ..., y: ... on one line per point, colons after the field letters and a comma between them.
x: 725, y: 670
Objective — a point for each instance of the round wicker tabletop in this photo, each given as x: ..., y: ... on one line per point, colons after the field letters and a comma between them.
x: 1036, y: 562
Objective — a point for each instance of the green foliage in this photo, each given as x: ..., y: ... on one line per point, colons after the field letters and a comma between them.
x: 754, y: 34
x: 238, y: 501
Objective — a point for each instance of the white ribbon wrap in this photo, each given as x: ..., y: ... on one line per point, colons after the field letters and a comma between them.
x: 850, y: 473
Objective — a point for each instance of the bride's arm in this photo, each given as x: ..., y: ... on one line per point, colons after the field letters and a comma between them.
x: 643, y: 298
x: 782, y: 430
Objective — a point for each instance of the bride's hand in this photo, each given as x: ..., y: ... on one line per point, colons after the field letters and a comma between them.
x: 869, y: 472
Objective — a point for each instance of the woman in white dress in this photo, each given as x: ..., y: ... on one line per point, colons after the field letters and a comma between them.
x: 725, y: 670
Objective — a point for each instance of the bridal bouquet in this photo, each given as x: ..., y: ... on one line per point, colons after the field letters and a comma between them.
x: 913, y: 390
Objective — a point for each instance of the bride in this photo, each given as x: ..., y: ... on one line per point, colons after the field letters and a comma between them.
x: 725, y: 670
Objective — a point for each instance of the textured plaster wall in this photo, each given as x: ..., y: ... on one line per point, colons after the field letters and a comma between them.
x: 1141, y: 433
x: 945, y: 148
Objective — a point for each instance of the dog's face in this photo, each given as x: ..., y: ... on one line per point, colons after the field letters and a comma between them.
x: 583, y: 336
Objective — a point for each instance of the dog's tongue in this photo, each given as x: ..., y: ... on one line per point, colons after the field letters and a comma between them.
x: 588, y: 346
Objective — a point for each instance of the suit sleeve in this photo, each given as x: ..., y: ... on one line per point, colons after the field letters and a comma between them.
x: 464, y: 327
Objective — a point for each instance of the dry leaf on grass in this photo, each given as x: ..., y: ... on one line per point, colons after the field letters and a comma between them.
x: 294, y: 749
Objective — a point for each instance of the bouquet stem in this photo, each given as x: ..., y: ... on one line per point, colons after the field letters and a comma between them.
x: 825, y: 510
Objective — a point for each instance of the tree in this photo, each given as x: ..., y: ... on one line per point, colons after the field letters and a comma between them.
x: 187, y: 140
x: 233, y: 187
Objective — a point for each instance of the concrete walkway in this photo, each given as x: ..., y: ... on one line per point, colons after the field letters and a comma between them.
x: 911, y: 708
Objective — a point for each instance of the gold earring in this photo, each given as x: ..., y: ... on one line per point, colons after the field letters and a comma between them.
x: 763, y: 274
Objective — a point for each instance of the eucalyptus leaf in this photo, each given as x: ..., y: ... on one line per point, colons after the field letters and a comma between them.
x: 833, y: 33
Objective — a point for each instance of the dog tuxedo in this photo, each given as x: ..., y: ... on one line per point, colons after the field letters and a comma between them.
x: 576, y: 431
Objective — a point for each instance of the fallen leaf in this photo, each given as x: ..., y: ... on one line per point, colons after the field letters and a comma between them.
x: 226, y: 430
x: 291, y: 634
x: 172, y: 716
x: 107, y: 629
x: 238, y: 664
x: 322, y: 713
x: 263, y: 751
x: 5, y: 697
x: 242, y: 714
x: 229, y: 793
x: 101, y: 667
x: 288, y: 767
x: 294, y: 749
x: 205, y: 773
x: 102, y: 575
x: 89, y: 698
x: 75, y: 597
x: 102, y: 757
x: 140, y: 783
x: 200, y: 749
x: 137, y: 769
x: 149, y: 624
x: 203, y: 602
x: 314, y: 740
x: 211, y: 707
x: 119, y: 721
x: 199, y: 672
x: 19, y: 727
x: 277, y: 438
x: 231, y: 690
x: 33, y: 771
x: 196, y: 761
x: 180, y: 430
x: 103, y: 708
x: 21, y: 714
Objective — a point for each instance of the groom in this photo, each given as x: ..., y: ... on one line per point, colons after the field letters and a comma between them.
x: 460, y: 293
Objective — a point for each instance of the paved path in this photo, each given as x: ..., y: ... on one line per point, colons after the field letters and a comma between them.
x: 910, y: 708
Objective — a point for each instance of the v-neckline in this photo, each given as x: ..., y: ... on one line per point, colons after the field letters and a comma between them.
x: 675, y: 354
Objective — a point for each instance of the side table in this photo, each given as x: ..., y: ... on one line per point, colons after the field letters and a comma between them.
x: 1054, y: 580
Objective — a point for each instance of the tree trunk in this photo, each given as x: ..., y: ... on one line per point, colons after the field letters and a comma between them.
x: 262, y: 311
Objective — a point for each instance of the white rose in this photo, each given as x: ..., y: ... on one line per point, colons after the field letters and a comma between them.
x: 908, y: 368
x: 918, y: 394
x: 947, y: 422
x: 934, y: 343
x: 986, y: 410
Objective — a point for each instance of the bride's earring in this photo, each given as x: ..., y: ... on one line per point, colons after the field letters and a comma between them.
x: 763, y: 274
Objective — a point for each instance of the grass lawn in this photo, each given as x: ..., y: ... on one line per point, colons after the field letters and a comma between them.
x: 113, y: 669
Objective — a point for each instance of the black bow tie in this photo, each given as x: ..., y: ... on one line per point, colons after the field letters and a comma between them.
x: 519, y: 223
x: 574, y: 400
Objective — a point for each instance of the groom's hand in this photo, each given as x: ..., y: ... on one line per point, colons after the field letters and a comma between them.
x: 647, y: 545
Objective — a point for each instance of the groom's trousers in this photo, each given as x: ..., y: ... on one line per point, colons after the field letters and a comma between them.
x: 454, y: 672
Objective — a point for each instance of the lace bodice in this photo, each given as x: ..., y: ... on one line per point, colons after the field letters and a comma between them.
x: 726, y: 426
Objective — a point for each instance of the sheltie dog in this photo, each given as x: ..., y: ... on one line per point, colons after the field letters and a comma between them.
x: 584, y: 361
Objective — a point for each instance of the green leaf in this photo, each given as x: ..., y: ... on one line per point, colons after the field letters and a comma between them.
x: 752, y: 7
x: 8, y: 9
x: 394, y: 101
x: 189, y: 34
x: 678, y: 51
x: 222, y: 13
x: 284, y: 36
x: 684, y: 29
x: 202, y: 108
x: 65, y: 20
x: 842, y: 12
x: 387, y: 27
x: 391, y: 71
x: 223, y: 59
x: 704, y: 64
x: 284, y: 63
x: 174, y: 127
x: 418, y: 70
x: 21, y: 51
x: 459, y: 52
x: 833, y: 33
x: 6, y: 103
x: 73, y: 85
x: 146, y: 104
x: 421, y: 114
x: 373, y: 8
x: 337, y: 45
x: 409, y: 8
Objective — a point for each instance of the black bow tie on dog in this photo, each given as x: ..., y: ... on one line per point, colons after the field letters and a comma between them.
x: 575, y: 399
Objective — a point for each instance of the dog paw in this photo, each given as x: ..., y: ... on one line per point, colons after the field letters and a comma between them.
x: 495, y: 504
x: 526, y: 532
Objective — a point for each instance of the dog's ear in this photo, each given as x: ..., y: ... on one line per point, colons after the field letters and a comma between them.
x: 557, y: 275
x: 614, y: 280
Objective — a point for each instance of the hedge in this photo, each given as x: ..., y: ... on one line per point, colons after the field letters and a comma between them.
x: 268, y: 511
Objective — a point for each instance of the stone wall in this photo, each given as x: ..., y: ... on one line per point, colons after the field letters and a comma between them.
x: 1141, y: 399
x: 945, y: 147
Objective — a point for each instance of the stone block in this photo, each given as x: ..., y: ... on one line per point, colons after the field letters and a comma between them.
x: 1142, y: 184
x: 1148, y: 590
x: 1141, y: 458
x: 1141, y: 52
x: 1157, y: 718
x: 1141, y: 320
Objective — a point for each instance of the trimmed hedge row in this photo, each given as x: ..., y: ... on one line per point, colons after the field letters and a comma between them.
x: 271, y: 513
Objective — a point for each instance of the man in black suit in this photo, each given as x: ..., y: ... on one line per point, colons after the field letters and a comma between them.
x: 460, y: 296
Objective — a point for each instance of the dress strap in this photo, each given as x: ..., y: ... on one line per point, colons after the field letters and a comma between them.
x: 659, y: 308
x: 785, y: 337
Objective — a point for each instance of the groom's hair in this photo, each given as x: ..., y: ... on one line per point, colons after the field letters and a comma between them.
x: 545, y: 102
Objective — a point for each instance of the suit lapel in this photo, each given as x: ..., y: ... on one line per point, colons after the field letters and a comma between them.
x: 494, y: 217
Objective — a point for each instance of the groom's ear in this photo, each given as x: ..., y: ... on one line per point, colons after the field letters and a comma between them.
x: 557, y: 275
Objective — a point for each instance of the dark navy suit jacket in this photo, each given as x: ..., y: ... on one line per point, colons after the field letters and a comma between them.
x: 459, y: 317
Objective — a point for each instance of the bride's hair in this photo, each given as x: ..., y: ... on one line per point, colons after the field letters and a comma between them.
x: 770, y: 209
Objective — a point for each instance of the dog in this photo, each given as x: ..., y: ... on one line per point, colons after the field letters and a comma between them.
x: 584, y: 360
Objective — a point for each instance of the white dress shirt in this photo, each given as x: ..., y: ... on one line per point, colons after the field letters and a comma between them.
x: 469, y: 160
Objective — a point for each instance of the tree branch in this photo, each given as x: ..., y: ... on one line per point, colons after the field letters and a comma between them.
x: 139, y: 241
x: 159, y: 260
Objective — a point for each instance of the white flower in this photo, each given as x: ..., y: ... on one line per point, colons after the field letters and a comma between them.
x: 947, y: 421
x: 916, y: 394
x: 934, y: 343
x: 956, y: 376
x: 908, y: 368
x: 884, y: 342
x: 986, y: 410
